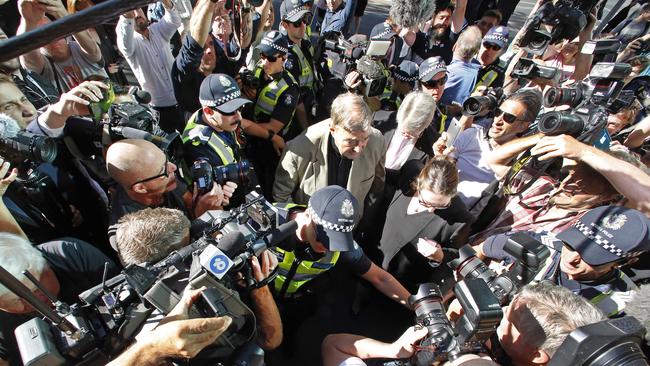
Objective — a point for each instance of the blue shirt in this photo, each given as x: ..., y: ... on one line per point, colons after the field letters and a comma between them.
x: 462, y: 78
x: 339, y: 19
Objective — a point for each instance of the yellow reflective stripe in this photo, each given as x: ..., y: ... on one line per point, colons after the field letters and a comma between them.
x: 306, y: 78
x: 193, y: 130
x: 492, y: 76
x: 305, y: 271
x: 442, y: 123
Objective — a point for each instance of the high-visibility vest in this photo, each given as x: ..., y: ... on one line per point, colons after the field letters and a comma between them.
x: 293, y: 273
x: 306, y: 79
x: 390, y: 97
x: 199, y: 134
x: 269, y: 96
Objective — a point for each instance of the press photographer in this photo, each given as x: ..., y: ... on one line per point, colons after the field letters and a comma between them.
x: 534, y: 325
x: 55, y: 195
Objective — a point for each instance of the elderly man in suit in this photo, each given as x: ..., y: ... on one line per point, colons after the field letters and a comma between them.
x: 343, y: 150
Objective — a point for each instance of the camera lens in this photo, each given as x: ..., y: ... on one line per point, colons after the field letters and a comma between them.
x: 558, y: 123
x: 45, y: 149
x: 562, y: 96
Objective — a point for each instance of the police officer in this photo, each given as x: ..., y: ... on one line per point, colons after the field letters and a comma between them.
x: 210, y: 133
x: 270, y: 121
x: 432, y: 76
x: 493, y: 69
x: 402, y: 82
x: 300, y: 60
x: 323, y: 240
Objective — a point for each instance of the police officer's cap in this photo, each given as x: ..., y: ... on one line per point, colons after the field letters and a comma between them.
x: 382, y: 32
x: 430, y: 67
x: 608, y: 234
x: 221, y: 92
x: 406, y: 71
x: 274, y: 43
x: 335, y: 212
x: 293, y: 10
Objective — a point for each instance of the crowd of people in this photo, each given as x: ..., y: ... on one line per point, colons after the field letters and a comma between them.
x: 117, y: 140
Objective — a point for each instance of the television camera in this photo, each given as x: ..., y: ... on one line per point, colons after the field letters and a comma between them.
x: 109, y: 315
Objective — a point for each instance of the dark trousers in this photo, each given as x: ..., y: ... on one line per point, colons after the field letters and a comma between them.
x: 171, y: 119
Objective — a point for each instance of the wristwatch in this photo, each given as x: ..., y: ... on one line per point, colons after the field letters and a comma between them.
x: 271, y: 134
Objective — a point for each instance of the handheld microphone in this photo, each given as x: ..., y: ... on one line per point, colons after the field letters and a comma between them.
x: 216, y: 259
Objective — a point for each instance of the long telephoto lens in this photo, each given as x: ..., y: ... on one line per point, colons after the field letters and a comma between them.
x: 235, y: 172
x: 562, y: 96
x: 558, y: 123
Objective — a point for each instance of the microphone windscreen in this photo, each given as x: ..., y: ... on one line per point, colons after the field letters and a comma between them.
x: 409, y: 13
x: 8, y: 126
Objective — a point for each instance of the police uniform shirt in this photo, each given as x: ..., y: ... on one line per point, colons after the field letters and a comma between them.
x: 193, y: 152
x: 286, y: 106
x: 495, y: 67
x: 292, y: 65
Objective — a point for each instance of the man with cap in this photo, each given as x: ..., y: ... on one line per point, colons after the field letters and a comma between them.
x: 493, y: 69
x: 586, y: 257
x: 272, y: 114
x: 323, y: 240
x: 402, y: 82
x: 432, y: 76
x: 300, y: 60
x: 211, y: 132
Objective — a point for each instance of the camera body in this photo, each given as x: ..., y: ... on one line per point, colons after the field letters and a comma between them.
x: 205, y: 175
x: 530, y: 257
x: 482, y: 315
x: 248, y: 78
x: 479, y: 105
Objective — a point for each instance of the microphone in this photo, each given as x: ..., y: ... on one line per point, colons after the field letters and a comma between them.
x: 134, y: 133
x: 232, y: 243
x: 9, y: 127
x: 409, y: 13
x: 216, y: 259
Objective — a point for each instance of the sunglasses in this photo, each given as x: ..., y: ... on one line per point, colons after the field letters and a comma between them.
x: 434, y: 83
x: 165, y: 174
x: 228, y: 114
x: 305, y: 20
x: 510, y: 118
x: 268, y: 58
x: 491, y: 46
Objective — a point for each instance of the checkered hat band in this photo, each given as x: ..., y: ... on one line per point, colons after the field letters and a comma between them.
x: 496, y: 37
x: 274, y: 46
x: 386, y: 32
x: 399, y: 76
x: 440, y: 65
x: 222, y: 100
x: 603, y: 242
x: 294, y: 12
x: 328, y: 225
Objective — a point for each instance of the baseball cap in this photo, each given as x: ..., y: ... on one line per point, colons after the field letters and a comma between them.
x: 607, y: 234
x: 273, y: 43
x: 292, y: 10
x: 406, y: 71
x: 221, y: 92
x: 497, y: 35
x: 382, y: 32
x: 335, y: 212
x: 430, y: 67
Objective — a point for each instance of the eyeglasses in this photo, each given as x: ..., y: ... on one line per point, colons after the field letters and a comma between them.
x: 434, y: 83
x: 305, y: 20
x: 428, y: 205
x: 492, y: 46
x: 510, y: 118
x: 165, y: 174
x: 268, y: 58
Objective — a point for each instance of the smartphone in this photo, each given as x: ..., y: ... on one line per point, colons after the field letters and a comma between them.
x: 452, y: 131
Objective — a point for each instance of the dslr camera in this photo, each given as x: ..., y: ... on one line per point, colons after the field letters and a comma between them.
x: 205, y: 175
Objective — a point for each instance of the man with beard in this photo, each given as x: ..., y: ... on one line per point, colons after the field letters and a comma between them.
x: 440, y: 33
x: 65, y: 63
x: 586, y: 257
x: 196, y: 59
x: 146, y: 48
x: 492, y: 71
x: 36, y: 88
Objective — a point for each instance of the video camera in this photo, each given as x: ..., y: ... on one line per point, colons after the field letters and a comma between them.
x: 613, y: 342
x: 205, y: 175
x: 530, y: 256
x: 565, y: 19
x: 29, y: 146
x: 111, y: 313
x: 481, y: 317
x: 528, y: 69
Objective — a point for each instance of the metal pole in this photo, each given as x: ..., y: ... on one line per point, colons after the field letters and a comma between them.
x: 66, y: 26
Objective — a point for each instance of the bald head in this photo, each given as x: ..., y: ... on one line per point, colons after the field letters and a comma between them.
x: 131, y: 160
